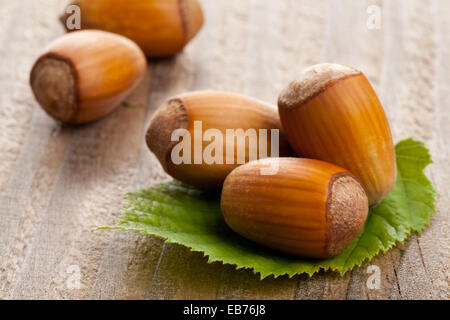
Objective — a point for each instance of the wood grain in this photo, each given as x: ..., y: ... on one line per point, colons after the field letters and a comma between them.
x: 57, y: 182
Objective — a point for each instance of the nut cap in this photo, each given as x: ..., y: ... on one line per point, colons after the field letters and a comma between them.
x: 160, y: 27
x: 84, y: 75
x: 332, y: 113
x: 309, y: 208
x: 218, y: 111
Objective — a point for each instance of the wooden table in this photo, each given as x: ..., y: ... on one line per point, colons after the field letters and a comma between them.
x: 58, y: 182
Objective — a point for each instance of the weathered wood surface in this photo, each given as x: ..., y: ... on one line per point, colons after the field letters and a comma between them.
x: 59, y: 182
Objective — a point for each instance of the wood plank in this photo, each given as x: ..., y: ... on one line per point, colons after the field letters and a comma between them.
x: 250, y: 47
x: 173, y: 277
x: 343, y: 42
x: 31, y: 144
x: 276, y: 61
x: 131, y: 256
x: 409, y: 95
x: 376, y: 56
x: 434, y: 241
x: 98, y: 163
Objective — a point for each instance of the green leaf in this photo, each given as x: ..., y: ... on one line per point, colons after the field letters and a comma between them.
x: 192, y: 218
